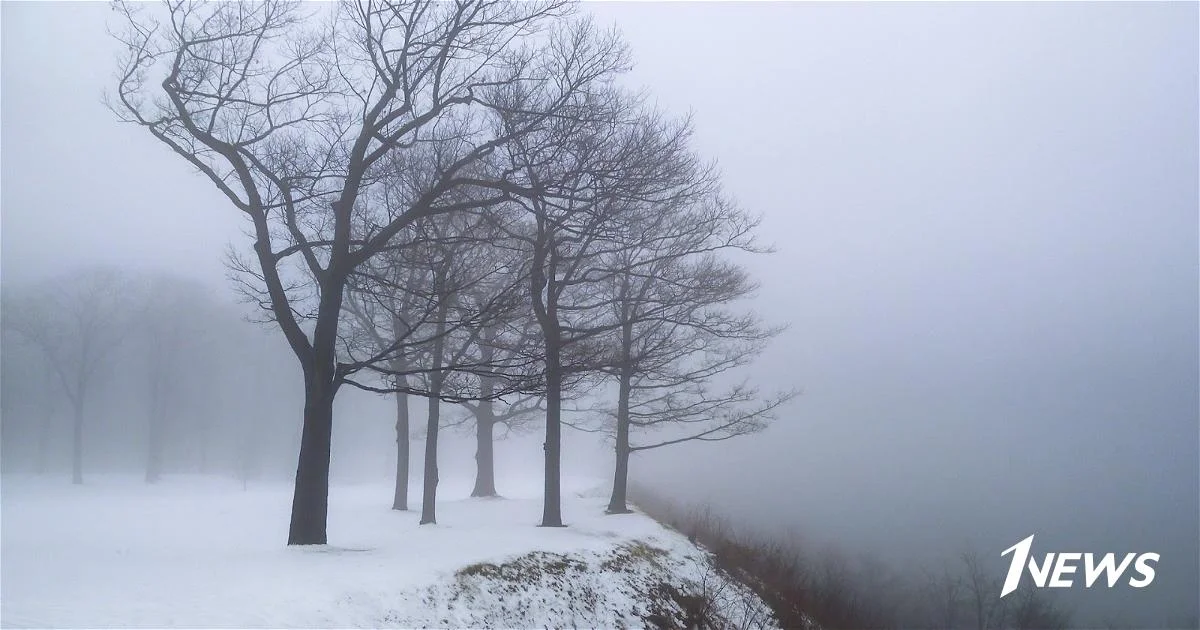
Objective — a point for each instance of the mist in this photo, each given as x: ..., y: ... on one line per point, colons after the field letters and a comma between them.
x: 986, y: 231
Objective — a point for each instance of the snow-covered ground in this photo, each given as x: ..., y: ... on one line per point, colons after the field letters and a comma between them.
x: 203, y: 552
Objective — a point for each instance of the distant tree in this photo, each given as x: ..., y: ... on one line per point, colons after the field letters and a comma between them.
x: 290, y: 114
x: 618, y: 183
x: 29, y: 400
x: 444, y: 284
x: 982, y: 591
x: 594, y: 169
x: 514, y: 417
x: 48, y: 405
x: 1032, y: 610
x: 677, y: 333
x: 382, y: 317
x: 255, y: 398
x: 427, y: 309
x: 965, y: 595
x: 507, y: 348
x: 398, y: 314
x: 475, y: 291
x: 77, y: 321
x: 943, y: 599
x: 388, y: 306
x: 174, y: 326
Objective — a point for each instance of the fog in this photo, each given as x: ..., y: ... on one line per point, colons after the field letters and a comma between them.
x: 986, y: 227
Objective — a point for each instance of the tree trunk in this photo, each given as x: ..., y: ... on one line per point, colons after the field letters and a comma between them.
x: 400, y: 497
x: 545, y: 308
x: 616, y: 504
x: 485, y: 421
x: 433, y: 421
x: 77, y: 444
x: 429, y: 487
x: 310, y: 501
x: 552, y: 500
x: 485, y: 471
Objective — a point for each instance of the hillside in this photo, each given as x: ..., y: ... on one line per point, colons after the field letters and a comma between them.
x: 203, y: 552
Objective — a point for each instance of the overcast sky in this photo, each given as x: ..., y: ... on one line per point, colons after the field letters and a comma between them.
x: 986, y: 224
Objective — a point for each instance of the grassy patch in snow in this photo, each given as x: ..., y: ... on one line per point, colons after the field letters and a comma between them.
x: 625, y: 556
x: 526, y: 569
x: 570, y: 588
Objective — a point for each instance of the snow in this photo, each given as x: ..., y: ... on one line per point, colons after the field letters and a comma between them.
x: 202, y: 552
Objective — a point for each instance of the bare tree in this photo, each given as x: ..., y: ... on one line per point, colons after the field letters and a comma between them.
x: 501, y: 360
x: 384, y: 317
x: 29, y: 401
x: 47, y: 405
x: 454, y: 270
x: 443, y: 291
x: 173, y: 328
x: 983, y: 592
x: 436, y: 377
x: 399, y: 315
x: 497, y: 347
x: 943, y: 595
x: 291, y: 116
x: 507, y: 350
x: 673, y: 346
x: 969, y: 597
x: 607, y: 175
x: 77, y: 321
x: 514, y: 417
x: 670, y: 294
x: 389, y: 304
x: 590, y: 167
x: 1034, y: 611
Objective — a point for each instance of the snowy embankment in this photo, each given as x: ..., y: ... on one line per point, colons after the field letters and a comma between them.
x: 205, y: 553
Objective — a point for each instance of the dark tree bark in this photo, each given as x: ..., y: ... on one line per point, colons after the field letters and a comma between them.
x: 617, y: 503
x: 400, y: 499
x: 310, y: 499
x: 290, y: 123
x: 430, y: 482
x: 552, y: 502
x: 433, y: 422
x: 545, y: 304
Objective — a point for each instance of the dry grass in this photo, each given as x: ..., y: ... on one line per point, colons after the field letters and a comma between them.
x: 835, y: 591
